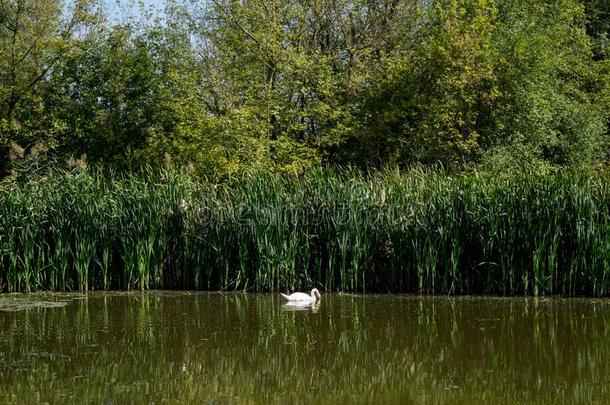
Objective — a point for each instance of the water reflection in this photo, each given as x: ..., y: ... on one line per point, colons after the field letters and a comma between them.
x: 314, y: 307
x: 250, y: 348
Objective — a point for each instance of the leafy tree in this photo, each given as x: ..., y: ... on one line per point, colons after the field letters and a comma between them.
x: 550, y: 98
x: 35, y: 35
x: 485, y: 76
x: 225, y: 86
x: 293, y: 69
x: 103, y: 95
x: 432, y: 101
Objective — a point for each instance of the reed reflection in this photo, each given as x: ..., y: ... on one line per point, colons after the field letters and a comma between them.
x: 194, y: 347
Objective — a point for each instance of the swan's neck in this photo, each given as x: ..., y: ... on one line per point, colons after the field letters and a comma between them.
x: 313, y: 295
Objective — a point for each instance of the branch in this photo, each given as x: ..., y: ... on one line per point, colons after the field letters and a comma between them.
x: 234, y: 21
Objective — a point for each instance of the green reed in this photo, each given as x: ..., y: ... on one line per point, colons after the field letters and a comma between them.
x: 414, y: 231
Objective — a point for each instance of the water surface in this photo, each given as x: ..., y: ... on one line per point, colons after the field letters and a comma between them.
x: 166, y: 347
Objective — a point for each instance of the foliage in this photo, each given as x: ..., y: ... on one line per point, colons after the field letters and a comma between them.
x: 491, y: 76
x: 415, y: 231
x: 225, y: 87
x: 34, y: 37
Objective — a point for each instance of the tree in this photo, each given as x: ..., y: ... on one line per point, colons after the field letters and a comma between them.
x: 34, y: 36
x: 292, y: 69
x: 225, y: 86
x: 486, y: 78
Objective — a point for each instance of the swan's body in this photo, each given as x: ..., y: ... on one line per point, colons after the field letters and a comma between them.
x: 302, y: 297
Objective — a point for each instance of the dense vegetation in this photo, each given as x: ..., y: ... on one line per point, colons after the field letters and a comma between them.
x: 420, y: 231
x: 228, y: 86
x: 207, y: 147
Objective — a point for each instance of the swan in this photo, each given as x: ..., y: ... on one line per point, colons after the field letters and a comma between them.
x: 299, y: 296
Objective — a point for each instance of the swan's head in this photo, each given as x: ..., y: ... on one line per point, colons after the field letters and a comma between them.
x: 315, y: 293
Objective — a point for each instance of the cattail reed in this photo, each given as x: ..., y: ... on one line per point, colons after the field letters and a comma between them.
x: 414, y: 231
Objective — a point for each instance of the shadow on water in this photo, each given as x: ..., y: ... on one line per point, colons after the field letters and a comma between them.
x: 252, y: 348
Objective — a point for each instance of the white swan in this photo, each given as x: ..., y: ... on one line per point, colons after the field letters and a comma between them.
x: 299, y: 296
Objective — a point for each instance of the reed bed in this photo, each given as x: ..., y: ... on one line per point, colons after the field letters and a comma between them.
x: 415, y: 231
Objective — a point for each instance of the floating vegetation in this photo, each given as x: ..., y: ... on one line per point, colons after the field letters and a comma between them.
x: 12, y: 304
x: 416, y: 231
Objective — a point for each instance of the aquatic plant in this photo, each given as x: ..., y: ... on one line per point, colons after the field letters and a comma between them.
x: 414, y: 231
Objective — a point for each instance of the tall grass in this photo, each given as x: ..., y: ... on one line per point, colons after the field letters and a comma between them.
x: 417, y: 231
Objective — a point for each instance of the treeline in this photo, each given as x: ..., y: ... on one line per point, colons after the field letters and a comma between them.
x: 226, y: 86
x: 416, y: 231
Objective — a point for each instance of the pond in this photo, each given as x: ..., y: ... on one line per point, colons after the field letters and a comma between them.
x: 180, y: 347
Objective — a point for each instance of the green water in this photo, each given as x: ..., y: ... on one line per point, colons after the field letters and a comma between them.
x: 166, y: 347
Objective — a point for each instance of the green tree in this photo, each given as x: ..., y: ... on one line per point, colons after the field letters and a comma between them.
x: 292, y: 69
x: 485, y: 79
x: 34, y: 37
x: 104, y: 96
x: 432, y: 101
x: 550, y: 100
